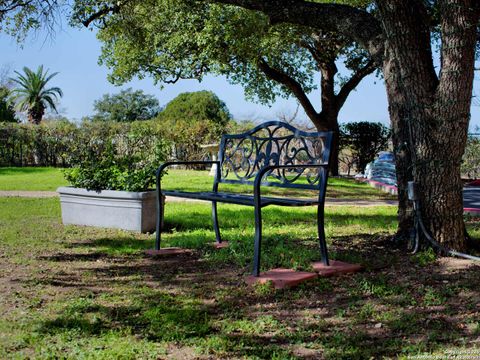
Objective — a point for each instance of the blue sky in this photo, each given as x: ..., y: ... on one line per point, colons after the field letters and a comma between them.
x: 74, y: 53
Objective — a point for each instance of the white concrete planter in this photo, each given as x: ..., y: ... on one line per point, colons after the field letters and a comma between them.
x: 112, y: 209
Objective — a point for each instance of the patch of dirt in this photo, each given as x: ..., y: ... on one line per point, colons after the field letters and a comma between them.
x: 450, y: 265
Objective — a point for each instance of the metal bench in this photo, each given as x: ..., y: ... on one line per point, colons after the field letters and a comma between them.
x: 271, y: 154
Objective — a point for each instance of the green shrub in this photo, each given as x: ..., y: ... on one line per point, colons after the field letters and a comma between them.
x: 7, y: 111
x: 116, y: 156
x: 364, y: 140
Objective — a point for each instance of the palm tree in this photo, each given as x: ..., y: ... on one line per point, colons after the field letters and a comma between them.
x: 32, y: 95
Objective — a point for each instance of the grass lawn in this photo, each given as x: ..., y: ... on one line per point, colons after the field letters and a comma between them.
x: 31, y: 178
x: 49, y: 179
x: 76, y: 292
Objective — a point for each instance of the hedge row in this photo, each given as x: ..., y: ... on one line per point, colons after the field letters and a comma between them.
x: 61, y: 143
x: 28, y: 145
x: 51, y: 143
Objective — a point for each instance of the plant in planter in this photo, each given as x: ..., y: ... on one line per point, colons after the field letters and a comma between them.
x: 113, y: 171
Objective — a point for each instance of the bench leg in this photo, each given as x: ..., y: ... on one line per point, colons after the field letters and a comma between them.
x: 215, y: 222
x: 321, y: 235
x: 158, y: 231
x: 258, y: 241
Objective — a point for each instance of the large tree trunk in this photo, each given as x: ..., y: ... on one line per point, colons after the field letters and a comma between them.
x: 428, y: 113
x: 35, y: 114
x: 400, y: 132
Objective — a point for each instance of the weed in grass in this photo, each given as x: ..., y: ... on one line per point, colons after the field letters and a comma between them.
x: 474, y: 328
x: 166, y: 323
x: 264, y: 289
x: 387, y: 316
x: 432, y: 297
x: 366, y: 312
x: 378, y: 286
x: 111, y: 345
x: 323, y: 285
x: 407, y: 322
x: 341, y: 313
x: 425, y: 257
x: 246, y: 347
x: 261, y: 325
x: 345, y: 345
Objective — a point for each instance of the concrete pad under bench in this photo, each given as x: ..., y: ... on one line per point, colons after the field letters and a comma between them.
x: 282, y: 278
x: 222, y: 245
x: 335, y: 268
x: 168, y: 251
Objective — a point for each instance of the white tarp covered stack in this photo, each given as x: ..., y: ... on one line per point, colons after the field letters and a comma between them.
x: 382, y: 169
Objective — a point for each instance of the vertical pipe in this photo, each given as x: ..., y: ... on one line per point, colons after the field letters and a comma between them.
x: 159, y: 210
x: 258, y: 239
x: 258, y: 223
x: 321, y: 235
x: 215, y: 222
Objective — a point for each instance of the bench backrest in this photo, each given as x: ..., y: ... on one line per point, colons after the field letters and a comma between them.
x: 242, y: 156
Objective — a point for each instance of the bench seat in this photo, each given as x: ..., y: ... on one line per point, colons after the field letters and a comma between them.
x: 240, y: 199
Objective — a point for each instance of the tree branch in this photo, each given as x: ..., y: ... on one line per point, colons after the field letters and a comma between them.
x: 293, y: 85
x: 106, y: 10
x: 355, y: 24
x: 8, y: 6
x: 353, y: 82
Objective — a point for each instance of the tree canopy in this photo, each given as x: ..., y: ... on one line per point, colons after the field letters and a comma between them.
x: 173, y: 40
x: 126, y: 106
x: 18, y: 17
x: 193, y: 119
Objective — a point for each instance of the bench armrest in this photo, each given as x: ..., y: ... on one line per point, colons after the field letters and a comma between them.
x: 258, y: 178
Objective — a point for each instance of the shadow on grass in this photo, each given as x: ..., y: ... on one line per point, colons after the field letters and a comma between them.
x: 160, y: 317
x: 188, y: 302
x: 400, y: 305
